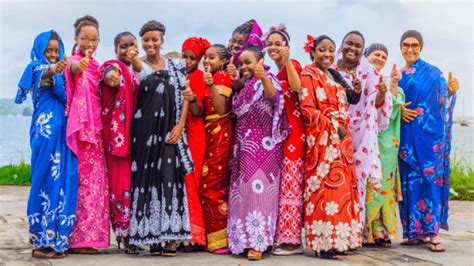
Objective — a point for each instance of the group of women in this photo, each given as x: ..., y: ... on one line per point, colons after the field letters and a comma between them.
x: 215, y: 152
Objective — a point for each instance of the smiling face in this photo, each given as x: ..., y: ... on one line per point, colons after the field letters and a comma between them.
x: 247, y: 61
x: 52, y: 51
x: 151, y: 42
x: 213, y: 61
x: 236, y: 42
x: 377, y: 59
x: 324, y: 54
x: 191, y: 60
x: 352, y: 48
x: 411, y: 50
x: 274, y: 43
x: 122, y: 47
x: 87, y: 40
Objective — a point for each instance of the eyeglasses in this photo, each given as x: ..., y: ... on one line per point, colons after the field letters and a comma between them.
x: 87, y: 40
x: 413, y: 46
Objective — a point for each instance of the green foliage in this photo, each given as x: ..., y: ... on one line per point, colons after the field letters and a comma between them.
x: 15, y: 174
x: 462, y: 180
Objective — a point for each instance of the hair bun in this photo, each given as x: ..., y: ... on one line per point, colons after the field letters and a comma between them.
x: 87, y: 18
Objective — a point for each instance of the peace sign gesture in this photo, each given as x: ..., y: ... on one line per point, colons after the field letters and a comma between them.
x: 355, y: 82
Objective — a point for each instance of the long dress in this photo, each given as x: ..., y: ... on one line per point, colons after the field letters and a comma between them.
x: 197, y: 144
x: 214, y: 186
x: 51, y: 204
x: 159, y: 205
x: 425, y: 144
x: 117, y: 112
x: 367, y: 121
x: 381, y: 204
x: 256, y: 169
x: 331, y: 212
x: 290, y: 214
x: 84, y: 137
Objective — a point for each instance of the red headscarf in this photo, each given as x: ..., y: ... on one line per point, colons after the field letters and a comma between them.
x: 196, y: 44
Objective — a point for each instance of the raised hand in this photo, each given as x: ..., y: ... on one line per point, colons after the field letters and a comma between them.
x: 84, y: 63
x: 355, y: 82
x: 285, y: 53
x: 61, y: 65
x: 408, y: 114
x: 382, y: 86
x: 231, y: 69
x: 208, y: 76
x: 132, y: 51
x: 259, y: 70
x: 453, y: 84
x: 395, y: 74
x: 112, y: 78
x: 188, y: 93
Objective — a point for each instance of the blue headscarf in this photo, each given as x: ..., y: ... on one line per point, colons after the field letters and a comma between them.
x: 38, y: 62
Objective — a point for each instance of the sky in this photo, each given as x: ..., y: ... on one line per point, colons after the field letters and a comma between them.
x: 446, y: 26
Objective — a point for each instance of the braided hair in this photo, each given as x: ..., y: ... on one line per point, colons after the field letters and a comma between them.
x: 84, y: 21
x: 223, y: 53
x: 256, y: 51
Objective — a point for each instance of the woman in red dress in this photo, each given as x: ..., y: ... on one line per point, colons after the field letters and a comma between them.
x: 288, y: 231
x: 331, y: 212
x: 193, y: 50
x: 214, y: 186
x: 119, y: 89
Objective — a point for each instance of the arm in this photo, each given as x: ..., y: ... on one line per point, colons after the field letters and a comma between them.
x: 218, y: 100
x: 177, y: 130
x: 195, y: 108
x: 268, y: 89
x: 293, y: 77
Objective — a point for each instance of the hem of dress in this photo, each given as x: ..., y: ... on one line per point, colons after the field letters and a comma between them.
x: 158, y: 240
x: 288, y: 241
x: 217, y: 240
x: 90, y: 245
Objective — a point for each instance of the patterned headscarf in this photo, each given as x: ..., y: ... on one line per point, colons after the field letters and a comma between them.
x: 196, y: 44
x: 254, y: 38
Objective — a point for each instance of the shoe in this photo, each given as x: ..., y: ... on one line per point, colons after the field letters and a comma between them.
x: 283, y: 252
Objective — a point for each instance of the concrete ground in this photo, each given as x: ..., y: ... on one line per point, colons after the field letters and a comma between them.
x: 15, y: 250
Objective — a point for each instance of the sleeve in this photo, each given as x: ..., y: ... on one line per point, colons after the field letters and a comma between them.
x: 223, y: 83
x: 384, y: 112
x: 198, y: 87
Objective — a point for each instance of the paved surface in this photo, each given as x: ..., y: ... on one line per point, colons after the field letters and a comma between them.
x: 15, y: 250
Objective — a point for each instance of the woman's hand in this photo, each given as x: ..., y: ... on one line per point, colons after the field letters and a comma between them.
x: 341, y: 132
x: 259, y: 70
x: 112, y: 78
x: 61, y: 65
x: 175, y: 134
x: 453, y: 84
x: 188, y: 94
x: 355, y: 82
x: 231, y: 69
x: 408, y: 115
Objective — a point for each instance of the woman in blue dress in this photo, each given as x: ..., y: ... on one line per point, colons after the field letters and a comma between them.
x: 52, y: 200
x: 425, y: 143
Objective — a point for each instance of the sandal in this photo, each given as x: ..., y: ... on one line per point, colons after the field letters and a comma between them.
x: 414, y: 242
x: 156, y: 250
x: 170, y: 249
x: 434, y: 245
x: 254, y: 255
x: 46, y: 253
x: 84, y: 251
x: 328, y: 255
x: 383, y: 243
x: 132, y: 250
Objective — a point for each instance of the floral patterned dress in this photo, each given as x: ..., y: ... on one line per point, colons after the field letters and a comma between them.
x: 256, y: 169
x: 425, y: 144
x: 331, y: 212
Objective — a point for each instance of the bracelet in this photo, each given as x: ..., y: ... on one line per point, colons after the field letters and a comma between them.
x: 236, y: 77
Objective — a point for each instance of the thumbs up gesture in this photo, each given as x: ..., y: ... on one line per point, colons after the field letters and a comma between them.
x: 453, y: 84
x: 355, y: 82
x: 188, y: 93
x: 84, y: 63
x: 382, y: 86
x: 285, y: 53
x: 231, y: 69
x: 395, y: 74
x: 132, y: 51
x: 208, y: 76
x: 61, y: 65
x: 259, y: 70
x: 112, y: 78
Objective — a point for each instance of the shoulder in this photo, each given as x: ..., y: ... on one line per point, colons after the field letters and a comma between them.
x: 221, y: 76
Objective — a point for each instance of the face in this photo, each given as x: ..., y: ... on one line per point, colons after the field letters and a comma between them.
x: 212, y: 60
x: 411, y: 49
x: 274, y: 43
x: 152, y: 41
x: 377, y: 59
x: 352, y: 48
x: 87, y: 40
x: 191, y: 59
x: 247, y: 61
x: 324, y: 54
x: 236, y: 42
x: 122, y: 48
x: 52, y: 51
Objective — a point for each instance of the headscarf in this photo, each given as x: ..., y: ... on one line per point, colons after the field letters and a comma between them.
x: 197, y: 45
x: 38, y: 60
x: 254, y: 38
x: 281, y: 29
x: 375, y: 47
x: 412, y: 33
